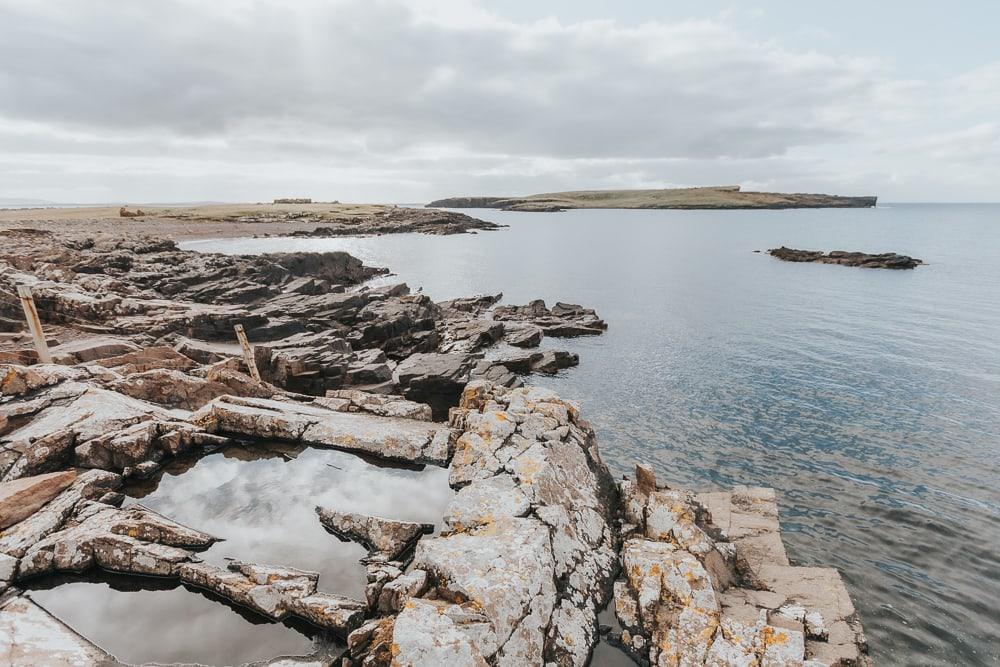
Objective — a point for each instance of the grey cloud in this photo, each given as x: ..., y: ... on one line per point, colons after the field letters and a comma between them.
x: 372, y: 68
x: 381, y: 99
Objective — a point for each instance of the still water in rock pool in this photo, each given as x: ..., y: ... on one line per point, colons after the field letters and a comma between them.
x: 869, y: 399
x: 261, y: 501
x: 141, y: 620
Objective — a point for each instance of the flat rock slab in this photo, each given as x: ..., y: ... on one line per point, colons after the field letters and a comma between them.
x: 33, y: 636
x: 21, y: 498
x: 384, y: 537
x: 91, y: 349
x: 386, y: 437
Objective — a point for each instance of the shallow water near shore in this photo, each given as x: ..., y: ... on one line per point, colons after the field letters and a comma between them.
x: 870, y: 399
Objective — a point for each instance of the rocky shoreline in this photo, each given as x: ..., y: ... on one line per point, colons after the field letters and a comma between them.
x: 886, y: 260
x: 536, y: 542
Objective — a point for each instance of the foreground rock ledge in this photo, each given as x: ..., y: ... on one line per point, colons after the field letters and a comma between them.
x: 537, y: 540
x: 533, y: 545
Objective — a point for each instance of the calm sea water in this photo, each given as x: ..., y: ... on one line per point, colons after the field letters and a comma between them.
x: 869, y: 399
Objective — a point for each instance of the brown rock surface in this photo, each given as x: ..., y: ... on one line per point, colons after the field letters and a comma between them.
x: 21, y: 498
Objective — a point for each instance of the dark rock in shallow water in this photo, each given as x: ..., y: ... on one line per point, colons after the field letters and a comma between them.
x: 562, y: 321
x: 887, y: 260
x: 523, y: 335
x: 555, y: 360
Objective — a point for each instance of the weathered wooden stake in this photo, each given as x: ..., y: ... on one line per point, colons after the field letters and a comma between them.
x: 34, y: 324
x: 247, y: 352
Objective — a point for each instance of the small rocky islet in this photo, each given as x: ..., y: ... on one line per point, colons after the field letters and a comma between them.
x: 885, y: 260
x: 537, y: 541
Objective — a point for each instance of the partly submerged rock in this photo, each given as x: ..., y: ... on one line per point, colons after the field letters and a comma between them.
x: 276, y: 592
x: 706, y: 581
x: 387, y: 538
x: 134, y: 540
x: 563, y: 320
x: 887, y: 260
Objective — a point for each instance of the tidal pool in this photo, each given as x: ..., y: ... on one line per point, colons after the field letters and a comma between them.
x: 260, y: 501
x: 145, y: 619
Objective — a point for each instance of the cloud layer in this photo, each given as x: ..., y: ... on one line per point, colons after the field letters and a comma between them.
x: 404, y: 101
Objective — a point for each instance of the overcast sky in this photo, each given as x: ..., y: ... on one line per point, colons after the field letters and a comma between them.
x: 406, y: 101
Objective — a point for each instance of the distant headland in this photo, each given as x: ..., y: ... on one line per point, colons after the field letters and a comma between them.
x: 715, y: 197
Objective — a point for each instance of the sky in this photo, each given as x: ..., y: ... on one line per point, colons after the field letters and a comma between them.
x: 413, y: 100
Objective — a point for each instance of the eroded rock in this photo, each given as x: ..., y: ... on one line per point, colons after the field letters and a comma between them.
x: 383, y: 537
x: 386, y: 437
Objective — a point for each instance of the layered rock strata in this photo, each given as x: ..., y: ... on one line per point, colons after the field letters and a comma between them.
x: 536, y: 541
x: 529, y: 549
x: 706, y: 581
x: 161, y: 321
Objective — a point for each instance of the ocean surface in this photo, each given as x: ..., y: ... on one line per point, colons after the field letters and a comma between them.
x: 870, y: 399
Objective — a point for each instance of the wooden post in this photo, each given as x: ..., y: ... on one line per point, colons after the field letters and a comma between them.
x: 247, y: 352
x: 34, y: 324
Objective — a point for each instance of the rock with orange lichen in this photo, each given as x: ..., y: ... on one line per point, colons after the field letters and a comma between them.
x: 706, y: 582
x: 435, y: 632
x: 530, y: 545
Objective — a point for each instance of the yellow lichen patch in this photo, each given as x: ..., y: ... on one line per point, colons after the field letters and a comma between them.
x: 132, y: 532
x: 410, y: 604
x: 502, y: 416
x: 773, y: 636
x: 528, y: 469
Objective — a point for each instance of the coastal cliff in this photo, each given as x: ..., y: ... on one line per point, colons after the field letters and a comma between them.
x: 717, y: 197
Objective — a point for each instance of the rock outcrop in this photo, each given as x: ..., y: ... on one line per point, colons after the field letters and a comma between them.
x: 705, y: 581
x: 157, y: 316
x: 887, y: 260
x: 563, y: 320
x: 529, y: 551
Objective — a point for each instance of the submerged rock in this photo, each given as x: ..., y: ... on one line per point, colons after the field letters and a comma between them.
x: 277, y: 593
